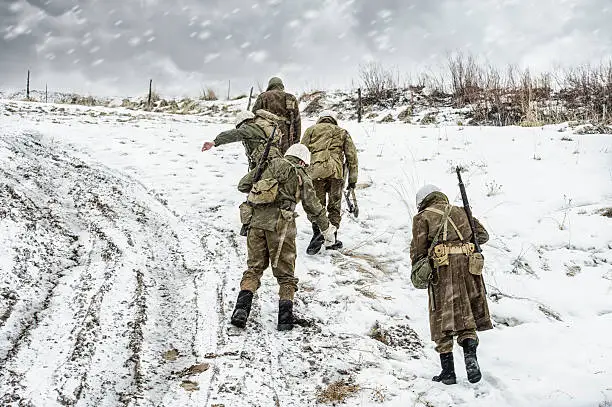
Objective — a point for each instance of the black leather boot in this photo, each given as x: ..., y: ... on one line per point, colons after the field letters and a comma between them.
x: 242, y: 309
x: 447, y: 375
x: 471, y: 362
x: 336, y: 246
x: 285, y: 315
x: 316, y: 242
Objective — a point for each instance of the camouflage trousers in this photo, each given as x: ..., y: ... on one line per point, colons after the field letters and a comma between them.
x: 329, y: 190
x: 262, y: 246
x: 445, y: 344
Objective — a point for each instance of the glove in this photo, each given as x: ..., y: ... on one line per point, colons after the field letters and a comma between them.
x: 351, y: 185
x: 330, y: 235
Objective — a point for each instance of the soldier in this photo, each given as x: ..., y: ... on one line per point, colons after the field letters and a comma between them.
x: 284, y: 105
x: 457, y: 298
x: 330, y: 146
x: 271, y: 236
x: 253, y: 130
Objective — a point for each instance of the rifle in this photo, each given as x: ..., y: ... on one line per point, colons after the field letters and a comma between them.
x: 264, y: 157
x: 250, y: 97
x: 348, y: 194
x: 468, y: 211
x: 352, y: 206
x: 259, y: 171
x: 291, y: 131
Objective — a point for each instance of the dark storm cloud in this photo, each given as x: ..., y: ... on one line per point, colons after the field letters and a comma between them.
x: 114, y: 46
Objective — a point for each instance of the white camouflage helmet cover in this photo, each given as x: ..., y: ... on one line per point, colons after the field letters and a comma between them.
x: 242, y: 116
x: 424, y: 191
x: 328, y: 113
x: 299, y: 151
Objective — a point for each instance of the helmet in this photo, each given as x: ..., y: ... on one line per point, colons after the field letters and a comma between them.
x: 275, y: 83
x: 299, y: 151
x: 242, y: 116
x: 328, y: 113
x: 424, y: 191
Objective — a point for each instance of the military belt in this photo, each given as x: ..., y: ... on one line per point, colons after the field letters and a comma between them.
x: 446, y: 249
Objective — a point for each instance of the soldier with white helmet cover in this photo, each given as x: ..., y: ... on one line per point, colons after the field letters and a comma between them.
x: 272, y: 230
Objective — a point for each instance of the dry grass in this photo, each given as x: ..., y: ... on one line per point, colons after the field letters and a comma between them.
x: 377, y: 333
x: 337, y: 392
x: 208, y: 94
x: 379, y: 394
x: 607, y: 212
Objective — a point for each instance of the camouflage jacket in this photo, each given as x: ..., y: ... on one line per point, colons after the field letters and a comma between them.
x: 330, y: 145
x: 294, y: 186
x: 425, y: 225
x: 254, y: 136
x: 285, y: 105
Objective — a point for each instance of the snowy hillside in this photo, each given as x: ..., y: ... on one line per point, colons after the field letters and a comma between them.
x: 120, y: 262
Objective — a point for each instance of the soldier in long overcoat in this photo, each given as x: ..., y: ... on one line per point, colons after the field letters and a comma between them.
x: 457, y: 299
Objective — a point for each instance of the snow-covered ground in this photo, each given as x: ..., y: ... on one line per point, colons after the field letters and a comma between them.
x: 120, y: 260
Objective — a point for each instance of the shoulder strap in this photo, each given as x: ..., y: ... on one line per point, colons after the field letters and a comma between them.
x: 444, y: 222
x: 299, y: 177
x: 444, y: 219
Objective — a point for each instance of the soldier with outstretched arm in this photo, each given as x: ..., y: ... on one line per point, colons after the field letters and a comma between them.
x: 253, y: 130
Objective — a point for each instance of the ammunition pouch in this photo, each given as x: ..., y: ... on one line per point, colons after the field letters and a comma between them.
x: 476, y: 263
x: 246, y: 213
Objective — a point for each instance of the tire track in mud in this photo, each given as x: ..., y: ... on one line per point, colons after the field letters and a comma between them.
x: 117, y: 220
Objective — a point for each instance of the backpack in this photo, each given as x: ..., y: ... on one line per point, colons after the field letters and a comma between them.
x: 264, y: 191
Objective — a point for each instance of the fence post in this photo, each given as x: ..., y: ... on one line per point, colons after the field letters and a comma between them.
x: 358, y: 105
x: 250, y: 97
x: 46, y: 94
x: 150, y: 93
x: 28, y: 86
x: 229, y: 86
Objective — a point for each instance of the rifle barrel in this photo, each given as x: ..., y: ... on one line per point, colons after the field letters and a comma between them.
x: 468, y: 211
x: 264, y: 157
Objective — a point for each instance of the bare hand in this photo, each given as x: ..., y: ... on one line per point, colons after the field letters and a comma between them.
x: 208, y: 145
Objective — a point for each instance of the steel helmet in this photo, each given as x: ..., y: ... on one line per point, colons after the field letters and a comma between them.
x: 424, y: 191
x: 299, y: 151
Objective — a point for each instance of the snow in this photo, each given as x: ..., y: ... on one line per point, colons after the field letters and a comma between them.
x: 119, y: 242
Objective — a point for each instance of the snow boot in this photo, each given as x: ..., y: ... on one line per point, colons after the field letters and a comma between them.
x: 316, y: 242
x: 336, y: 246
x: 471, y: 362
x: 285, y: 315
x: 242, y: 309
x: 447, y: 375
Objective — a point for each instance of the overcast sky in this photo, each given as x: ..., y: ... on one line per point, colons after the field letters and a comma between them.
x: 113, y: 47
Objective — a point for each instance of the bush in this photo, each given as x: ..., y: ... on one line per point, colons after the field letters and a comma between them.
x: 208, y: 94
